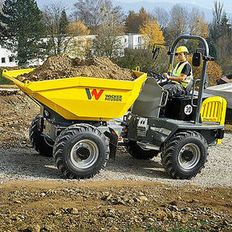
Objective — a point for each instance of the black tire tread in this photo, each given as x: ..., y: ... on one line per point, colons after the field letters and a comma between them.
x: 60, y: 142
x: 169, y: 148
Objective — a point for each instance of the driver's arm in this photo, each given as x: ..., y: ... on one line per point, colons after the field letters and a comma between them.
x: 179, y: 79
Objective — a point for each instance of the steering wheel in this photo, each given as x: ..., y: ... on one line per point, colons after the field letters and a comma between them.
x: 158, y: 77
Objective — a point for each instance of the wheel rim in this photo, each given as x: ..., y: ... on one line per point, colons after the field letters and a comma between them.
x: 84, y: 154
x: 189, y: 156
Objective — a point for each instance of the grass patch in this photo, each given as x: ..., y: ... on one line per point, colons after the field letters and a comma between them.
x: 3, y: 81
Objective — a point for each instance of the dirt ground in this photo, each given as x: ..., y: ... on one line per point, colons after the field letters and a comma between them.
x: 113, y: 206
x: 47, y: 203
x: 16, y: 113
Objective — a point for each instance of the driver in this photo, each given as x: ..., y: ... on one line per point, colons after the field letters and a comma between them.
x: 182, y: 75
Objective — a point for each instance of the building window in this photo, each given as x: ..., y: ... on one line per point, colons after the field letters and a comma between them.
x: 139, y: 40
x: 125, y: 40
x: 11, y: 59
x: 3, y: 60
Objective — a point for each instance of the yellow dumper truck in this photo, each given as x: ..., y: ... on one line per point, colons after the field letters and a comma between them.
x: 76, y: 123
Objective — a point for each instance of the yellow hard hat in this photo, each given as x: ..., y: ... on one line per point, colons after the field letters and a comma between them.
x: 182, y: 49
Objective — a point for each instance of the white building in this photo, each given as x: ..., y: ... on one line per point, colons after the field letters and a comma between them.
x: 131, y: 41
x: 7, y: 58
x: 135, y: 41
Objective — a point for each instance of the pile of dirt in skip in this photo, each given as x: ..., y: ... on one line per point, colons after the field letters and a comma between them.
x: 16, y: 114
x: 56, y: 67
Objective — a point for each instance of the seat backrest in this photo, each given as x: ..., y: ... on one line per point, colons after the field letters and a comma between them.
x: 189, y: 87
x: 213, y: 110
x: 149, y: 100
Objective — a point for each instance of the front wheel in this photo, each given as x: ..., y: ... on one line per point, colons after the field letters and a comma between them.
x: 80, y: 152
x: 185, y: 155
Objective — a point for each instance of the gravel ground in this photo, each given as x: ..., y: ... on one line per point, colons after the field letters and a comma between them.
x: 24, y: 163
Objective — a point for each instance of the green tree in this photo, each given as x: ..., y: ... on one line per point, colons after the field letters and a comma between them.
x: 22, y: 29
x: 131, y: 22
x: 135, y: 21
x: 63, y: 24
x: 220, y: 35
x: 62, y: 30
x: 143, y: 58
x: 212, y: 47
x: 215, y: 26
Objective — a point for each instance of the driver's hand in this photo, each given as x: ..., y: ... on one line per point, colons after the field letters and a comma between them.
x: 166, y: 75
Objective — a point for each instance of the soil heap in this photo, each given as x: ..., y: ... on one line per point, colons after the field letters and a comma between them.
x: 56, y: 67
x: 16, y: 114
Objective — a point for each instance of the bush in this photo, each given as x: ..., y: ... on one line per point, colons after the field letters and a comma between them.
x: 3, y: 81
x: 214, y: 72
x: 143, y: 59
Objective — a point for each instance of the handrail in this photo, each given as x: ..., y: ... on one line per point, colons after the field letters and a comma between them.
x: 192, y: 95
x: 203, y: 75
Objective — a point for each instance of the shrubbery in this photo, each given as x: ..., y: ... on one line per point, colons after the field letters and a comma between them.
x: 214, y: 72
x: 143, y: 59
x: 3, y: 80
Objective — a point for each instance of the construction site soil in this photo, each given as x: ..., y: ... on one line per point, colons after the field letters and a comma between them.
x: 16, y: 112
x: 128, y: 206
x: 39, y: 203
x: 101, y: 204
x: 57, y: 67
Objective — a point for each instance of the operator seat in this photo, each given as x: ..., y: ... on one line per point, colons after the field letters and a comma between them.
x: 150, y: 99
x: 189, y: 87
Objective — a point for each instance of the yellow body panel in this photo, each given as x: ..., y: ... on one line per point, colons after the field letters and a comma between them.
x: 82, y: 98
x: 213, y: 110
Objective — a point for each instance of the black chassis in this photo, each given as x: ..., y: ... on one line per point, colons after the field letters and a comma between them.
x: 52, y: 124
x: 152, y: 133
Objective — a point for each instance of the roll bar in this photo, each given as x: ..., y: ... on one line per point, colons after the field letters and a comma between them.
x: 206, y: 58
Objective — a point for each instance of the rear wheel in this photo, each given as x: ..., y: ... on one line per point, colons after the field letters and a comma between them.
x: 40, y: 143
x: 80, y: 151
x: 138, y: 153
x: 184, y: 155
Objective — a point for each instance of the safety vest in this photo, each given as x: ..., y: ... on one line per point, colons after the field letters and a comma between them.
x: 177, y: 72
